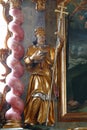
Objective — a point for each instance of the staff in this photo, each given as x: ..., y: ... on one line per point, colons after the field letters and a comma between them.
x: 59, y: 45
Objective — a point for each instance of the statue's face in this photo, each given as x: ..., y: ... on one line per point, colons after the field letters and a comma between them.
x: 41, y: 39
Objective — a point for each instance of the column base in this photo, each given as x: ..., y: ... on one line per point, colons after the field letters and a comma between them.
x: 13, y: 124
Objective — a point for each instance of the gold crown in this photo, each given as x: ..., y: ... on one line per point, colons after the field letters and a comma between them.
x: 40, y: 31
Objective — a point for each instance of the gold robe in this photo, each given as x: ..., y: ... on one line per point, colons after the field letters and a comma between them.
x: 37, y: 99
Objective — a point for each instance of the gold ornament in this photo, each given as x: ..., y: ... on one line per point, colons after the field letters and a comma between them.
x: 40, y: 4
x: 15, y: 3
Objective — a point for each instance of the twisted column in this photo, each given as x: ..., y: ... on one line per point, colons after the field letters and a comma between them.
x: 13, y: 115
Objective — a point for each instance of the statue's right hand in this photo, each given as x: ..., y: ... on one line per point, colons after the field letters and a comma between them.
x: 38, y: 56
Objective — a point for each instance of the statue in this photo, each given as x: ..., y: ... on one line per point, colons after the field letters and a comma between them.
x: 39, y: 61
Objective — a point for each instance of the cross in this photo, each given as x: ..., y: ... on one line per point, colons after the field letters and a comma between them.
x: 61, y: 10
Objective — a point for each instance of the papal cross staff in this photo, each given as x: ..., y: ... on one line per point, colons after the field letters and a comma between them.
x: 59, y: 45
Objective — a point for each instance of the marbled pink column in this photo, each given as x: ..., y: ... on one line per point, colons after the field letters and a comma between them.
x: 13, y: 79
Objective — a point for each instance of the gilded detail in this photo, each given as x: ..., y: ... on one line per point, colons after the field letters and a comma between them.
x: 3, y: 54
x: 15, y: 3
x: 2, y: 2
x: 40, y: 4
